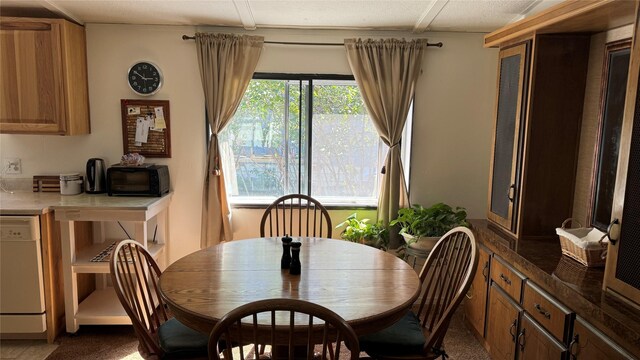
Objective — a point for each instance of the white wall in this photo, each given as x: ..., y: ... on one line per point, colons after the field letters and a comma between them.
x: 452, y: 131
x: 454, y: 107
x: 453, y: 118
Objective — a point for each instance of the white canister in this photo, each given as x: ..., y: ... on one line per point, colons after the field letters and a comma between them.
x: 70, y: 184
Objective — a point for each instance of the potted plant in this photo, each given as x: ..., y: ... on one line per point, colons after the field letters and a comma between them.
x: 361, y: 231
x: 422, y: 227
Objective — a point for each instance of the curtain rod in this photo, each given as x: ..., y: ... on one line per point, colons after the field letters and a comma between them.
x: 186, y: 37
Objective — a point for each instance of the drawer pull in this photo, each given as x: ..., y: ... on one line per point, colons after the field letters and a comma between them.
x: 521, y: 340
x: 542, y: 311
x: 572, y: 354
x: 513, y: 329
x: 505, y: 279
x: 485, y: 271
x: 613, y: 237
x: 509, y: 196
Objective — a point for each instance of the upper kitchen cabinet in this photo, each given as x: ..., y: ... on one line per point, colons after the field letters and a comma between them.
x: 621, y: 272
x: 543, y: 71
x: 537, y: 126
x: 43, y: 77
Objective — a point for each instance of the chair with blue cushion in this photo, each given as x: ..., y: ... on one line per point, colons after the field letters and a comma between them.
x: 446, y: 277
x: 135, y: 275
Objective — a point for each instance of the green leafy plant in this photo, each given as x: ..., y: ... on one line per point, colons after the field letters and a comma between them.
x: 372, y: 234
x: 435, y: 220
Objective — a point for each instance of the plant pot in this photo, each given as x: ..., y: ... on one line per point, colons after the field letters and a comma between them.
x: 423, y: 243
x: 371, y: 242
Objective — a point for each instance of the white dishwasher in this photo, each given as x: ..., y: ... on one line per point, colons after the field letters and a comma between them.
x: 22, y: 307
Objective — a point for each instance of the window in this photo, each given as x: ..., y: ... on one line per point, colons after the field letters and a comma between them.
x: 302, y: 134
x: 616, y: 72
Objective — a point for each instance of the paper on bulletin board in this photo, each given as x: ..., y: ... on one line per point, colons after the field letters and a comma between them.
x: 133, y: 110
x: 142, y: 131
x: 160, y: 123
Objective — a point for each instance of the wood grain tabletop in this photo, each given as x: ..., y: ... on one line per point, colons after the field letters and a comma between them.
x: 369, y: 288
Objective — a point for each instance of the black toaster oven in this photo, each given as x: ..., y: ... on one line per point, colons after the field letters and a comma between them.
x: 144, y: 180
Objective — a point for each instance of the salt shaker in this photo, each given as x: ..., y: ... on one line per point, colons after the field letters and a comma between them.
x: 295, y: 267
x: 286, y: 252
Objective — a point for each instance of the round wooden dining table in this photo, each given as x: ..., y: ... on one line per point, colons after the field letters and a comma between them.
x: 369, y: 288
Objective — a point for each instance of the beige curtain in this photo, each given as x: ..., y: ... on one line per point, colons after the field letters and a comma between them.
x: 227, y: 63
x: 386, y: 72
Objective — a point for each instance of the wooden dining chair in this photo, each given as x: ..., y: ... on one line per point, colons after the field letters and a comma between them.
x: 135, y: 275
x: 446, y: 277
x: 322, y: 334
x: 296, y: 215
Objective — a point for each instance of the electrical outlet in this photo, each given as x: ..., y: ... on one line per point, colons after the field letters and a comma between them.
x: 12, y: 166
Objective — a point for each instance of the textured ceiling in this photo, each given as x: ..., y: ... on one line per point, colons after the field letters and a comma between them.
x: 414, y: 15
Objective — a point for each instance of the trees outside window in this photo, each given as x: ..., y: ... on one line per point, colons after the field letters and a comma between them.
x: 302, y: 134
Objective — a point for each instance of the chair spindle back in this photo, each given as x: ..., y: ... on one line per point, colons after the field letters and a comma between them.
x: 296, y: 215
x: 135, y: 275
x: 293, y: 328
x: 446, y: 277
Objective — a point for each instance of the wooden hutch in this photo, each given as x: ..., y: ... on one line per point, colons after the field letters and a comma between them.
x: 558, y: 154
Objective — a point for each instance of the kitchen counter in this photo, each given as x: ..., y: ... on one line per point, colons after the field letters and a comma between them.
x: 576, y: 286
x: 27, y: 203
x: 35, y: 203
x: 69, y: 245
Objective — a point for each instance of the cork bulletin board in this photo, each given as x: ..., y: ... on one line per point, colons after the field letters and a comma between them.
x: 146, y: 127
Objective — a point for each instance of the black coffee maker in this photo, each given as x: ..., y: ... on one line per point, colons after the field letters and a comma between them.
x: 95, y: 179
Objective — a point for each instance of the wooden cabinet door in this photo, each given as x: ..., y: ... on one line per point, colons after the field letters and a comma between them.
x: 475, y: 305
x: 589, y: 344
x: 622, y: 274
x: 31, y: 78
x: 534, y: 343
x: 512, y: 69
x: 43, y: 77
x: 502, y: 324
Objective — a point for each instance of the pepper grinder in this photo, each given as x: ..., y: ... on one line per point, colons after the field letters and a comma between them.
x: 286, y: 252
x: 295, y: 267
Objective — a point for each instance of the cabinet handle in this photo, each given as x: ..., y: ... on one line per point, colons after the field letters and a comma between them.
x: 509, y: 196
x: 612, y: 239
x: 485, y: 271
x: 542, y: 311
x: 574, y: 341
x: 505, y: 279
x: 514, y: 328
x: 521, y: 340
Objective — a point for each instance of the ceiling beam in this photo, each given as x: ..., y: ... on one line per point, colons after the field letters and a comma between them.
x: 429, y: 15
x: 56, y: 8
x: 243, y: 7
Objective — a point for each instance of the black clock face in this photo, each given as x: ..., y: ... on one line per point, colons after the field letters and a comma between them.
x: 145, y: 78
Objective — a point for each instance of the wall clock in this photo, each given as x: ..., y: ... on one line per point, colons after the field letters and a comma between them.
x: 144, y: 78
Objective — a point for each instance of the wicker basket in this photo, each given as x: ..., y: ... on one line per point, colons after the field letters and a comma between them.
x: 592, y: 255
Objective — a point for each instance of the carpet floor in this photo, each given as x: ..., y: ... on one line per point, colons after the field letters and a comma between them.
x: 118, y: 342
